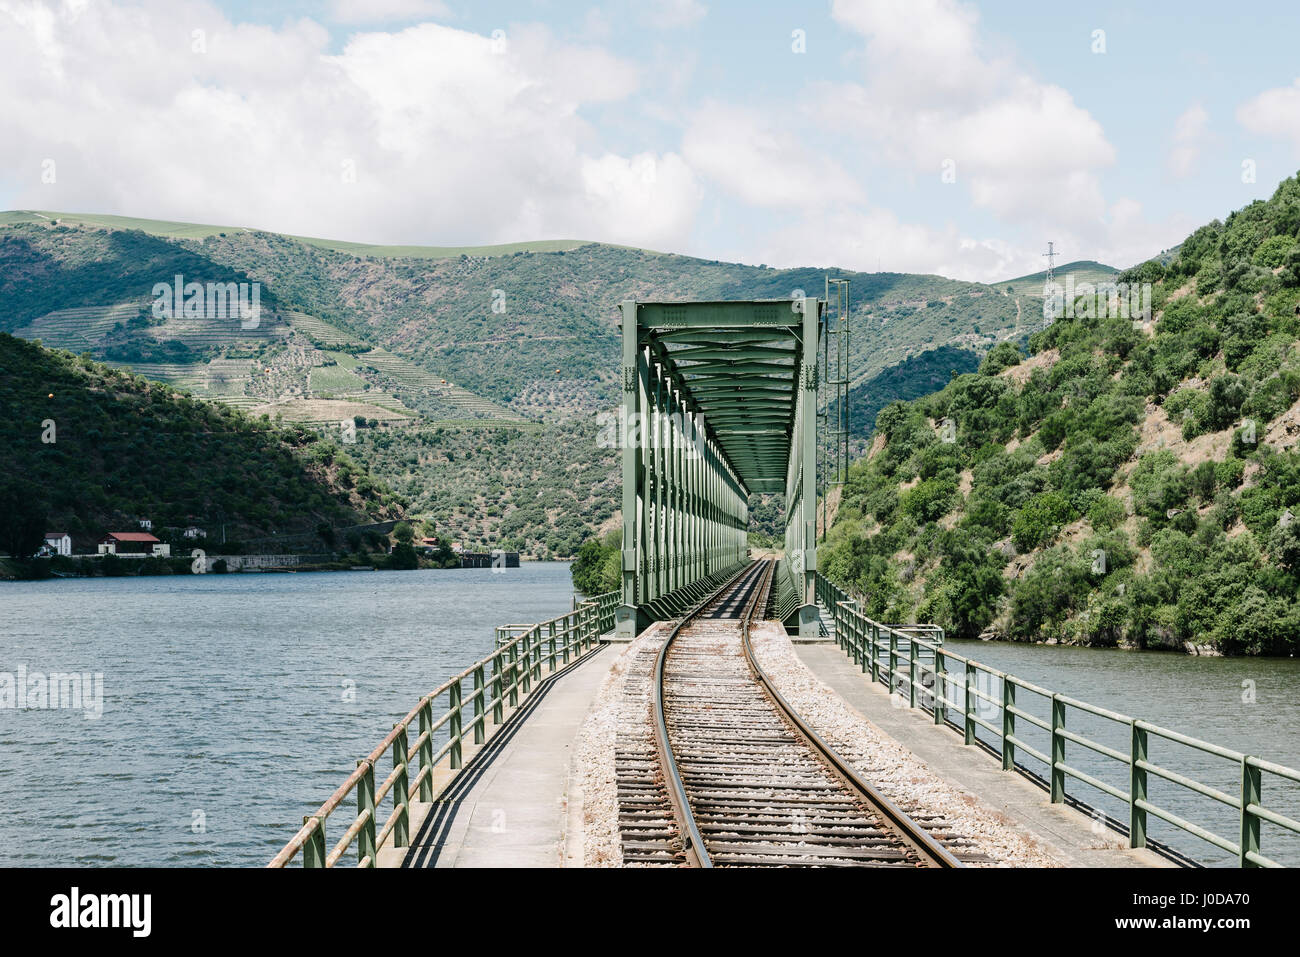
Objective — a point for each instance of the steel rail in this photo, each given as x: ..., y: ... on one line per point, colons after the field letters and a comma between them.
x: 697, y: 854
x: 759, y: 576
x: 925, y: 846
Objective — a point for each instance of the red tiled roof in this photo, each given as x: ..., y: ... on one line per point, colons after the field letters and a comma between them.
x: 132, y: 536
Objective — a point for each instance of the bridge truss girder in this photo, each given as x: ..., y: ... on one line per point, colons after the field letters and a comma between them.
x: 719, y: 400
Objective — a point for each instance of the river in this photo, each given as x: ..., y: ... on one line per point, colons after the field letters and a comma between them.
x: 1251, y: 705
x: 232, y: 704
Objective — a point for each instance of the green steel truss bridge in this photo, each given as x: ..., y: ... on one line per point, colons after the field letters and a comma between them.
x: 720, y: 401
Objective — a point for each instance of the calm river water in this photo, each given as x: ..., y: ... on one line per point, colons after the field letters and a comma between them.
x: 233, y: 705
x: 1251, y: 705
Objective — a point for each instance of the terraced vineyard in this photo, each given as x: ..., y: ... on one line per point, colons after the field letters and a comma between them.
x: 227, y: 378
x: 330, y: 411
x: 202, y: 335
x: 81, y: 329
x: 221, y: 380
x: 326, y: 381
x: 411, y: 375
x: 321, y: 333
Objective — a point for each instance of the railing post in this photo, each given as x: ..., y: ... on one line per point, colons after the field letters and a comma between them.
x: 550, y: 643
x: 401, y: 805
x: 911, y: 671
x: 893, y: 661
x: 859, y: 641
x: 313, y: 851
x: 454, y: 723
x: 968, y: 715
x: 524, y: 677
x: 874, y: 648
x: 498, y: 690
x: 479, y: 706
x: 1251, y: 793
x: 940, y: 688
x: 426, y: 750
x: 366, y: 802
x: 1058, y: 749
x: 512, y: 672
x: 537, y: 652
x: 1008, y: 724
x: 1137, y: 788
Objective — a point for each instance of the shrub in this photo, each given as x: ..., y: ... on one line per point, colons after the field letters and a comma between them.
x: 1002, y: 356
x: 1106, y: 512
x: 930, y: 499
x: 1039, y: 520
x: 1272, y: 251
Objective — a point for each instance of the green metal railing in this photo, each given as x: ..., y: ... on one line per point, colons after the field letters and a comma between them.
x: 943, y: 683
x: 606, y: 605
x: 502, y: 680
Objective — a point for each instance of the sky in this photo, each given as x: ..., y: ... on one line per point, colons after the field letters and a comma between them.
x: 938, y: 136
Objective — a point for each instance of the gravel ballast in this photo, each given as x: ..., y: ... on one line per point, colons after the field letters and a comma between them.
x: 621, y: 709
x: 898, y: 773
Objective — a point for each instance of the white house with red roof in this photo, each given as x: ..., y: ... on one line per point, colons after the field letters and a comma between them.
x: 133, y: 543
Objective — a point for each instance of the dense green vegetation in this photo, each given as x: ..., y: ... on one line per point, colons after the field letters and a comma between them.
x: 48, y: 267
x: 912, y: 378
x: 1122, y: 486
x: 549, y: 351
x: 439, y: 312
x: 598, y: 567
x: 88, y: 449
x: 539, y: 489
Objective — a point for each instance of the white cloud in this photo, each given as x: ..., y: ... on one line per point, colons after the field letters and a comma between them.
x: 386, y: 11
x: 934, y: 89
x: 1021, y: 147
x: 455, y: 138
x: 747, y: 154
x: 1191, y: 130
x: 452, y: 139
x: 1275, y: 113
x: 871, y: 239
x: 640, y: 196
x: 934, y: 94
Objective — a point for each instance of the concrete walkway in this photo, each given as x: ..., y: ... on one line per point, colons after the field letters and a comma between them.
x: 1065, y: 832
x: 509, y: 806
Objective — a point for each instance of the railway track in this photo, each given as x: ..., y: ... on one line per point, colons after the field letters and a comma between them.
x: 733, y: 775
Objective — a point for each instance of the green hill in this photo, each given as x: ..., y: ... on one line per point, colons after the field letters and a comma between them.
x: 459, y: 345
x: 462, y: 314
x: 1128, y: 482
x: 167, y: 229
x: 1083, y: 270
x: 86, y: 449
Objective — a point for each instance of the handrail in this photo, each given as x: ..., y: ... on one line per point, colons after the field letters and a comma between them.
x: 878, y: 650
x: 498, y: 682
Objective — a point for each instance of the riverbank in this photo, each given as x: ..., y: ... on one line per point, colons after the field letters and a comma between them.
x: 119, y: 566
x: 1168, y: 644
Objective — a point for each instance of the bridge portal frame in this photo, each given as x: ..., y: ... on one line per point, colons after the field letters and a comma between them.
x: 691, y: 459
